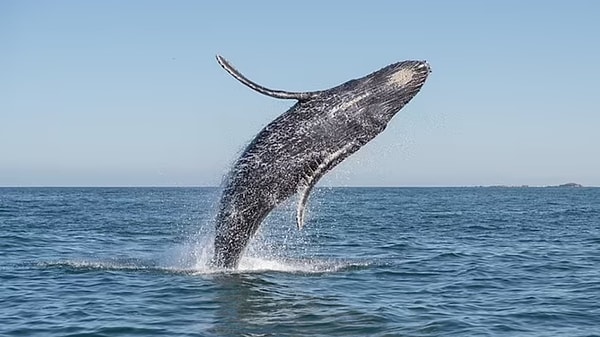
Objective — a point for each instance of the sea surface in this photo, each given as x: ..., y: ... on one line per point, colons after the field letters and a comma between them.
x: 369, y: 262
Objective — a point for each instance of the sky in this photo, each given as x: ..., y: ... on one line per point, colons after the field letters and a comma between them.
x: 128, y: 93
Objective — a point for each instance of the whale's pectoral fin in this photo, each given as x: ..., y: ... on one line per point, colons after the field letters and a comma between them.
x: 301, y: 211
x: 311, y: 179
x: 301, y: 96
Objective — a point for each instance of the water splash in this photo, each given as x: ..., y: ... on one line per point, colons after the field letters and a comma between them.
x: 262, y: 256
x: 248, y: 264
x: 277, y: 247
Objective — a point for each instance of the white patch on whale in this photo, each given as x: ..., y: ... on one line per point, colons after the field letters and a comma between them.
x: 349, y: 103
x: 401, y: 77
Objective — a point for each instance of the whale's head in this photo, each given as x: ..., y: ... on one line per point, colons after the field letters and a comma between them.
x: 377, y: 97
x: 371, y: 101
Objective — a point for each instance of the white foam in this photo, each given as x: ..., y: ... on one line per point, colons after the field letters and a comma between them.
x: 263, y: 265
x: 248, y: 264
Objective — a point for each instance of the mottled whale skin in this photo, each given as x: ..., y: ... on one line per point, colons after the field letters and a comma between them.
x: 295, y: 150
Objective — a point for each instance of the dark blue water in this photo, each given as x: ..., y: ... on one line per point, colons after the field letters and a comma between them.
x: 370, y: 262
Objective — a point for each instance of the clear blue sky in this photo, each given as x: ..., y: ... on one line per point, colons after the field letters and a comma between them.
x: 96, y: 93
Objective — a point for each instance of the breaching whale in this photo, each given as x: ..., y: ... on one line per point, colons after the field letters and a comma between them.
x: 296, y: 149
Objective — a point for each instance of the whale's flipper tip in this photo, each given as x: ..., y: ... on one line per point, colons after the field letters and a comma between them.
x: 301, y: 209
x: 222, y: 62
x: 300, y: 219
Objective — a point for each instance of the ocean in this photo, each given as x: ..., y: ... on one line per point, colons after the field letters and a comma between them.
x: 369, y: 262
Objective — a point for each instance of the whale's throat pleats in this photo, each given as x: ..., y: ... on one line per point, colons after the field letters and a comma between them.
x: 312, y: 176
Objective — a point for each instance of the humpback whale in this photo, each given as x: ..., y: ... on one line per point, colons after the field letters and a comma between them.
x: 296, y: 149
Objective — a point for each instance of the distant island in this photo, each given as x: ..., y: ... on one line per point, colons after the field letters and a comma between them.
x: 567, y: 185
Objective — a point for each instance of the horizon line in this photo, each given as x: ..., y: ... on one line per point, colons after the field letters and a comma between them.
x: 326, y: 186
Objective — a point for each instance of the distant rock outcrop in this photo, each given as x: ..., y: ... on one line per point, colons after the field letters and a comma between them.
x: 569, y: 185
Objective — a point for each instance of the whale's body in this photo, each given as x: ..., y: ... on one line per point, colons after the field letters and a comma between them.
x: 295, y: 150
